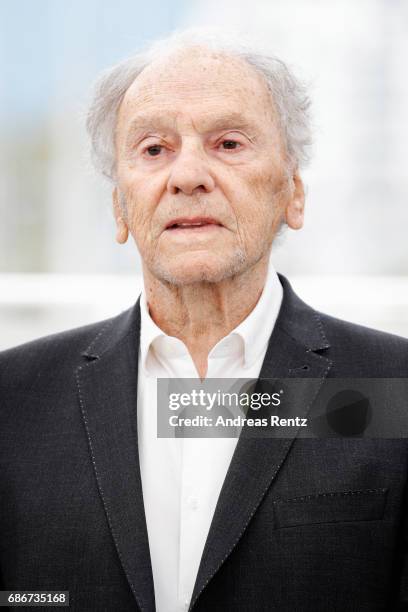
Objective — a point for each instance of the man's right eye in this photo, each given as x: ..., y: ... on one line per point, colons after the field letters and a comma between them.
x: 154, y: 150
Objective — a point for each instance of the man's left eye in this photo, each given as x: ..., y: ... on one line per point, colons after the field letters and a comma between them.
x: 154, y: 150
x: 230, y: 144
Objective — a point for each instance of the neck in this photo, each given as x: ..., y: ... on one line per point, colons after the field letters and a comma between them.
x: 201, y: 314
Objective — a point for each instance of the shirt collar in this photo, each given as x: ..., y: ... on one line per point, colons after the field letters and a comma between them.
x: 257, y: 328
x: 149, y: 331
x: 252, y: 333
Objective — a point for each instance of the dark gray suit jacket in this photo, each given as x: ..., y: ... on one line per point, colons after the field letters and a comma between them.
x: 301, y: 524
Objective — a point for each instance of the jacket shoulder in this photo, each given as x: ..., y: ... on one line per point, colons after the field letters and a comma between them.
x: 22, y: 365
x: 365, y: 350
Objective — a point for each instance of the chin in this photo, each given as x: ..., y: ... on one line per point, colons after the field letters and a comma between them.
x: 199, y: 271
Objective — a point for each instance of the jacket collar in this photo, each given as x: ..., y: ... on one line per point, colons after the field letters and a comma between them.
x: 300, y: 321
x: 115, y: 331
x: 107, y: 390
x: 297, y: 319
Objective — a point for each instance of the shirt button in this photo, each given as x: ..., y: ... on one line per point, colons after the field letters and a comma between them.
x: 186, y: 604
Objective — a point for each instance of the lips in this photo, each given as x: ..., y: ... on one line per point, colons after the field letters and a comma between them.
x: 191, y: 223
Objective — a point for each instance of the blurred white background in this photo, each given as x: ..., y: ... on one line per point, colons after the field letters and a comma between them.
x: 59, y: 263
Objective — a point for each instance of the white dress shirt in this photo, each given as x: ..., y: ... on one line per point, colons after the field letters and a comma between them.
x: 182, y: 477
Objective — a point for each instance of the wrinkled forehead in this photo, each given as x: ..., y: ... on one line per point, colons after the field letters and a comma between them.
x: 202, y: 79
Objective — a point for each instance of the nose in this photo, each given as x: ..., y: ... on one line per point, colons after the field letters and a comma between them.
x: 190, y: 173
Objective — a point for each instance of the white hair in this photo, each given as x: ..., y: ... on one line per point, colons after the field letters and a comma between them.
x: 289, y: 96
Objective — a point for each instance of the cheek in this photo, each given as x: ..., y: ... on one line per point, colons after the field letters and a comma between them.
x: 142, y: 201
x: 254, y: 203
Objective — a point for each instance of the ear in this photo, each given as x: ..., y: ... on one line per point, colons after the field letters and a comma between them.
x: 122, y: 231
x: 294, y: 212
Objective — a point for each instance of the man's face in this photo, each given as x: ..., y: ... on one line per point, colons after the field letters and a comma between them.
x: 201, y: 168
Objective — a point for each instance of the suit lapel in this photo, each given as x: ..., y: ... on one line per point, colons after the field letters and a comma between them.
x: 291, y: 353
x: 107, y: 387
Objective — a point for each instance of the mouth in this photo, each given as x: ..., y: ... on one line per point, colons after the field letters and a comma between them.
x: 196, y: 224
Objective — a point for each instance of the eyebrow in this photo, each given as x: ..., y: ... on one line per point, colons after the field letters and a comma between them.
x: 142, y: 122
x: 163, y: 122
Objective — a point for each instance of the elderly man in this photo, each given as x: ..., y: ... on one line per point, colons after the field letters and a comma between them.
x: 203, y: 142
